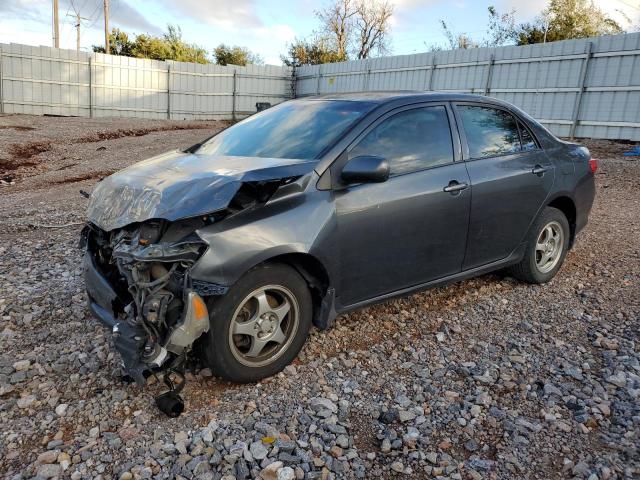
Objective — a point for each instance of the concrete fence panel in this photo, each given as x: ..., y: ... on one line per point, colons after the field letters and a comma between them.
x: 585, y: 88
x: 50, y: 81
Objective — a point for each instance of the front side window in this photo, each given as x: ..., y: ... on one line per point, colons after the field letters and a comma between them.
x: 298, y: 129
x: 490, y: 131
x: 411, y: 140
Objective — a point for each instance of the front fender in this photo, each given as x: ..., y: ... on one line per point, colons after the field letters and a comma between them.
x: 285, y: 226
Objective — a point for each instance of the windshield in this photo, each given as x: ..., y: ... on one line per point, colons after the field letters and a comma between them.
x: 299, y: 129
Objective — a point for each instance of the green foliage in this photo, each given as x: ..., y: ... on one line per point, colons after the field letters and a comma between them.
x: 181, y: 51
x: 170, y: 46
x: 311, y: 52
x: 566, y: 19
x: 228, y: 55
x: 561, y: 20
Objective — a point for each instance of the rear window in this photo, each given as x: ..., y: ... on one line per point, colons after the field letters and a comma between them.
x: 299, y: 129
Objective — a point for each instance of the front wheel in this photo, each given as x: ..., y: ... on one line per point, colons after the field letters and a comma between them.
x: 547, y: 246
x: 260, y: 325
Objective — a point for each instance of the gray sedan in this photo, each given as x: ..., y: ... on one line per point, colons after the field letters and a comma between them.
x: 231, y: 250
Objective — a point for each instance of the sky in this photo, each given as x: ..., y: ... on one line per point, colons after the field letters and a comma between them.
x: 263, y: 26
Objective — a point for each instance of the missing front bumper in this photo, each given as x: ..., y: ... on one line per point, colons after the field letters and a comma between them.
x: 132, y: 342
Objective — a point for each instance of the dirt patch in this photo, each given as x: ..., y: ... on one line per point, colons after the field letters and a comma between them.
x: 86, y: 176
x: 40, y: 150
x: 134, y: 132
x: 19, y: 128
x: 28, y: 150
x: 22, y: 155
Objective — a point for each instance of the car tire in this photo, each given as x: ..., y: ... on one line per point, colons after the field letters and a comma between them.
x: 243, y: 343
x: 547, y: 245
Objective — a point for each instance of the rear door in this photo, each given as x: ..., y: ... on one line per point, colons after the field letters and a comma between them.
x: 407, y: 230
x: 511, y: 177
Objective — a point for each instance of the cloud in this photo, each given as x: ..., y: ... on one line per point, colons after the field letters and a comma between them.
x: 227, y: 14
x: 121, y: 14
x: 124, y: 15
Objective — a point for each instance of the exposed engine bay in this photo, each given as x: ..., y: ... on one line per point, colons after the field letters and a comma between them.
x: 154, y: 309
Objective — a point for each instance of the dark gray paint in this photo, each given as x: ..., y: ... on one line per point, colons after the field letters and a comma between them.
x: 374, y: 241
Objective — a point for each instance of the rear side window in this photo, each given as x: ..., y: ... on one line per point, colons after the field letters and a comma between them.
x: 528, y: 143
x: 411, y: 140
x: 490, y: 131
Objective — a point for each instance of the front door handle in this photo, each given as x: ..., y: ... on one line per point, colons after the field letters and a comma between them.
x: 455, y: 187
x: 539, y: 170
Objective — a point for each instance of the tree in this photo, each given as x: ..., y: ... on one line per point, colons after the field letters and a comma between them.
x: 456, y: 40
x: 502, y: 27
x: 154, y: 48
x: 170, y: 46
x: 355, y: 28
x: 119, y: 44
x: 180, y: 51
x: 373, y: 27
x: 567, y: 19
x: 337, y: 22
x: 501, y: 30
x: 310, y: 52
x: 228, y: 55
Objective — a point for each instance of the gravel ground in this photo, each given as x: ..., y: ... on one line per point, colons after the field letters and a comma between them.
x: 487, y: 378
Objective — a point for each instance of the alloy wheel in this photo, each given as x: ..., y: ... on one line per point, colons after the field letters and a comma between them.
x: 264, y: 325
x: 549, y: 247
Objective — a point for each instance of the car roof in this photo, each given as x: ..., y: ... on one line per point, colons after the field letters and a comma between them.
x: 382, y: 97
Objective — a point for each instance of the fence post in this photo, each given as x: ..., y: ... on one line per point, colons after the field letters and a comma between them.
x: 233, y: 95
x: 366, y: 77
x: 293, y: 83
x: 583, y: 78
x: 169, y: 91
x: 432, y: 72
x: 91, y: 86
x: 487, y: 86
x: 318, y: 80
x: 1, y: 81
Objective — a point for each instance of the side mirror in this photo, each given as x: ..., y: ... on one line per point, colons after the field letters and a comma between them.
x: 365, y: 169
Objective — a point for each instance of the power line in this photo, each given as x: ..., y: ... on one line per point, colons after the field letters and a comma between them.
x: 97, y: 11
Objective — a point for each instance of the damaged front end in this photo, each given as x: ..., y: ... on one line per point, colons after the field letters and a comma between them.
x: 138, y: 284
x: 141, y: 245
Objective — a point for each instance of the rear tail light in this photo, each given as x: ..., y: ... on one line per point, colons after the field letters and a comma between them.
x: 593, y: 165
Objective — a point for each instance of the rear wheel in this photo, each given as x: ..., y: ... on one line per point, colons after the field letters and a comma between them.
x: 547, y: 246
x: 260, y: 325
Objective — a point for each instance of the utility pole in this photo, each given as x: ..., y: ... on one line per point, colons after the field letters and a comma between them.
x: 56, y: 27
x: 78, y: 31
x: 77, y: 25
x: 106, y: 26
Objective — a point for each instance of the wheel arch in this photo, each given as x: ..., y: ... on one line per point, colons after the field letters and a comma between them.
x: 567, y: 206
x: 317, y: 278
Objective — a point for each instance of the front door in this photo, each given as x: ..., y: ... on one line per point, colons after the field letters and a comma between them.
x: 510, y: 176
x: 407, y: 230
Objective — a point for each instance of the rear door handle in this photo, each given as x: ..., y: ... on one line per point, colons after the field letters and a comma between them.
x: 455, y: 186
x: 539, y: 170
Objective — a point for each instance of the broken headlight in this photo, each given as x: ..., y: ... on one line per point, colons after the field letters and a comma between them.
x: 160, y: 252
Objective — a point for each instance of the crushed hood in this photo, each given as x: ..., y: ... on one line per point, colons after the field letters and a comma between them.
x: 178, y: 185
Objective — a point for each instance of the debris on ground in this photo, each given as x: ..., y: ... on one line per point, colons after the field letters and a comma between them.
x: 484, y: 379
